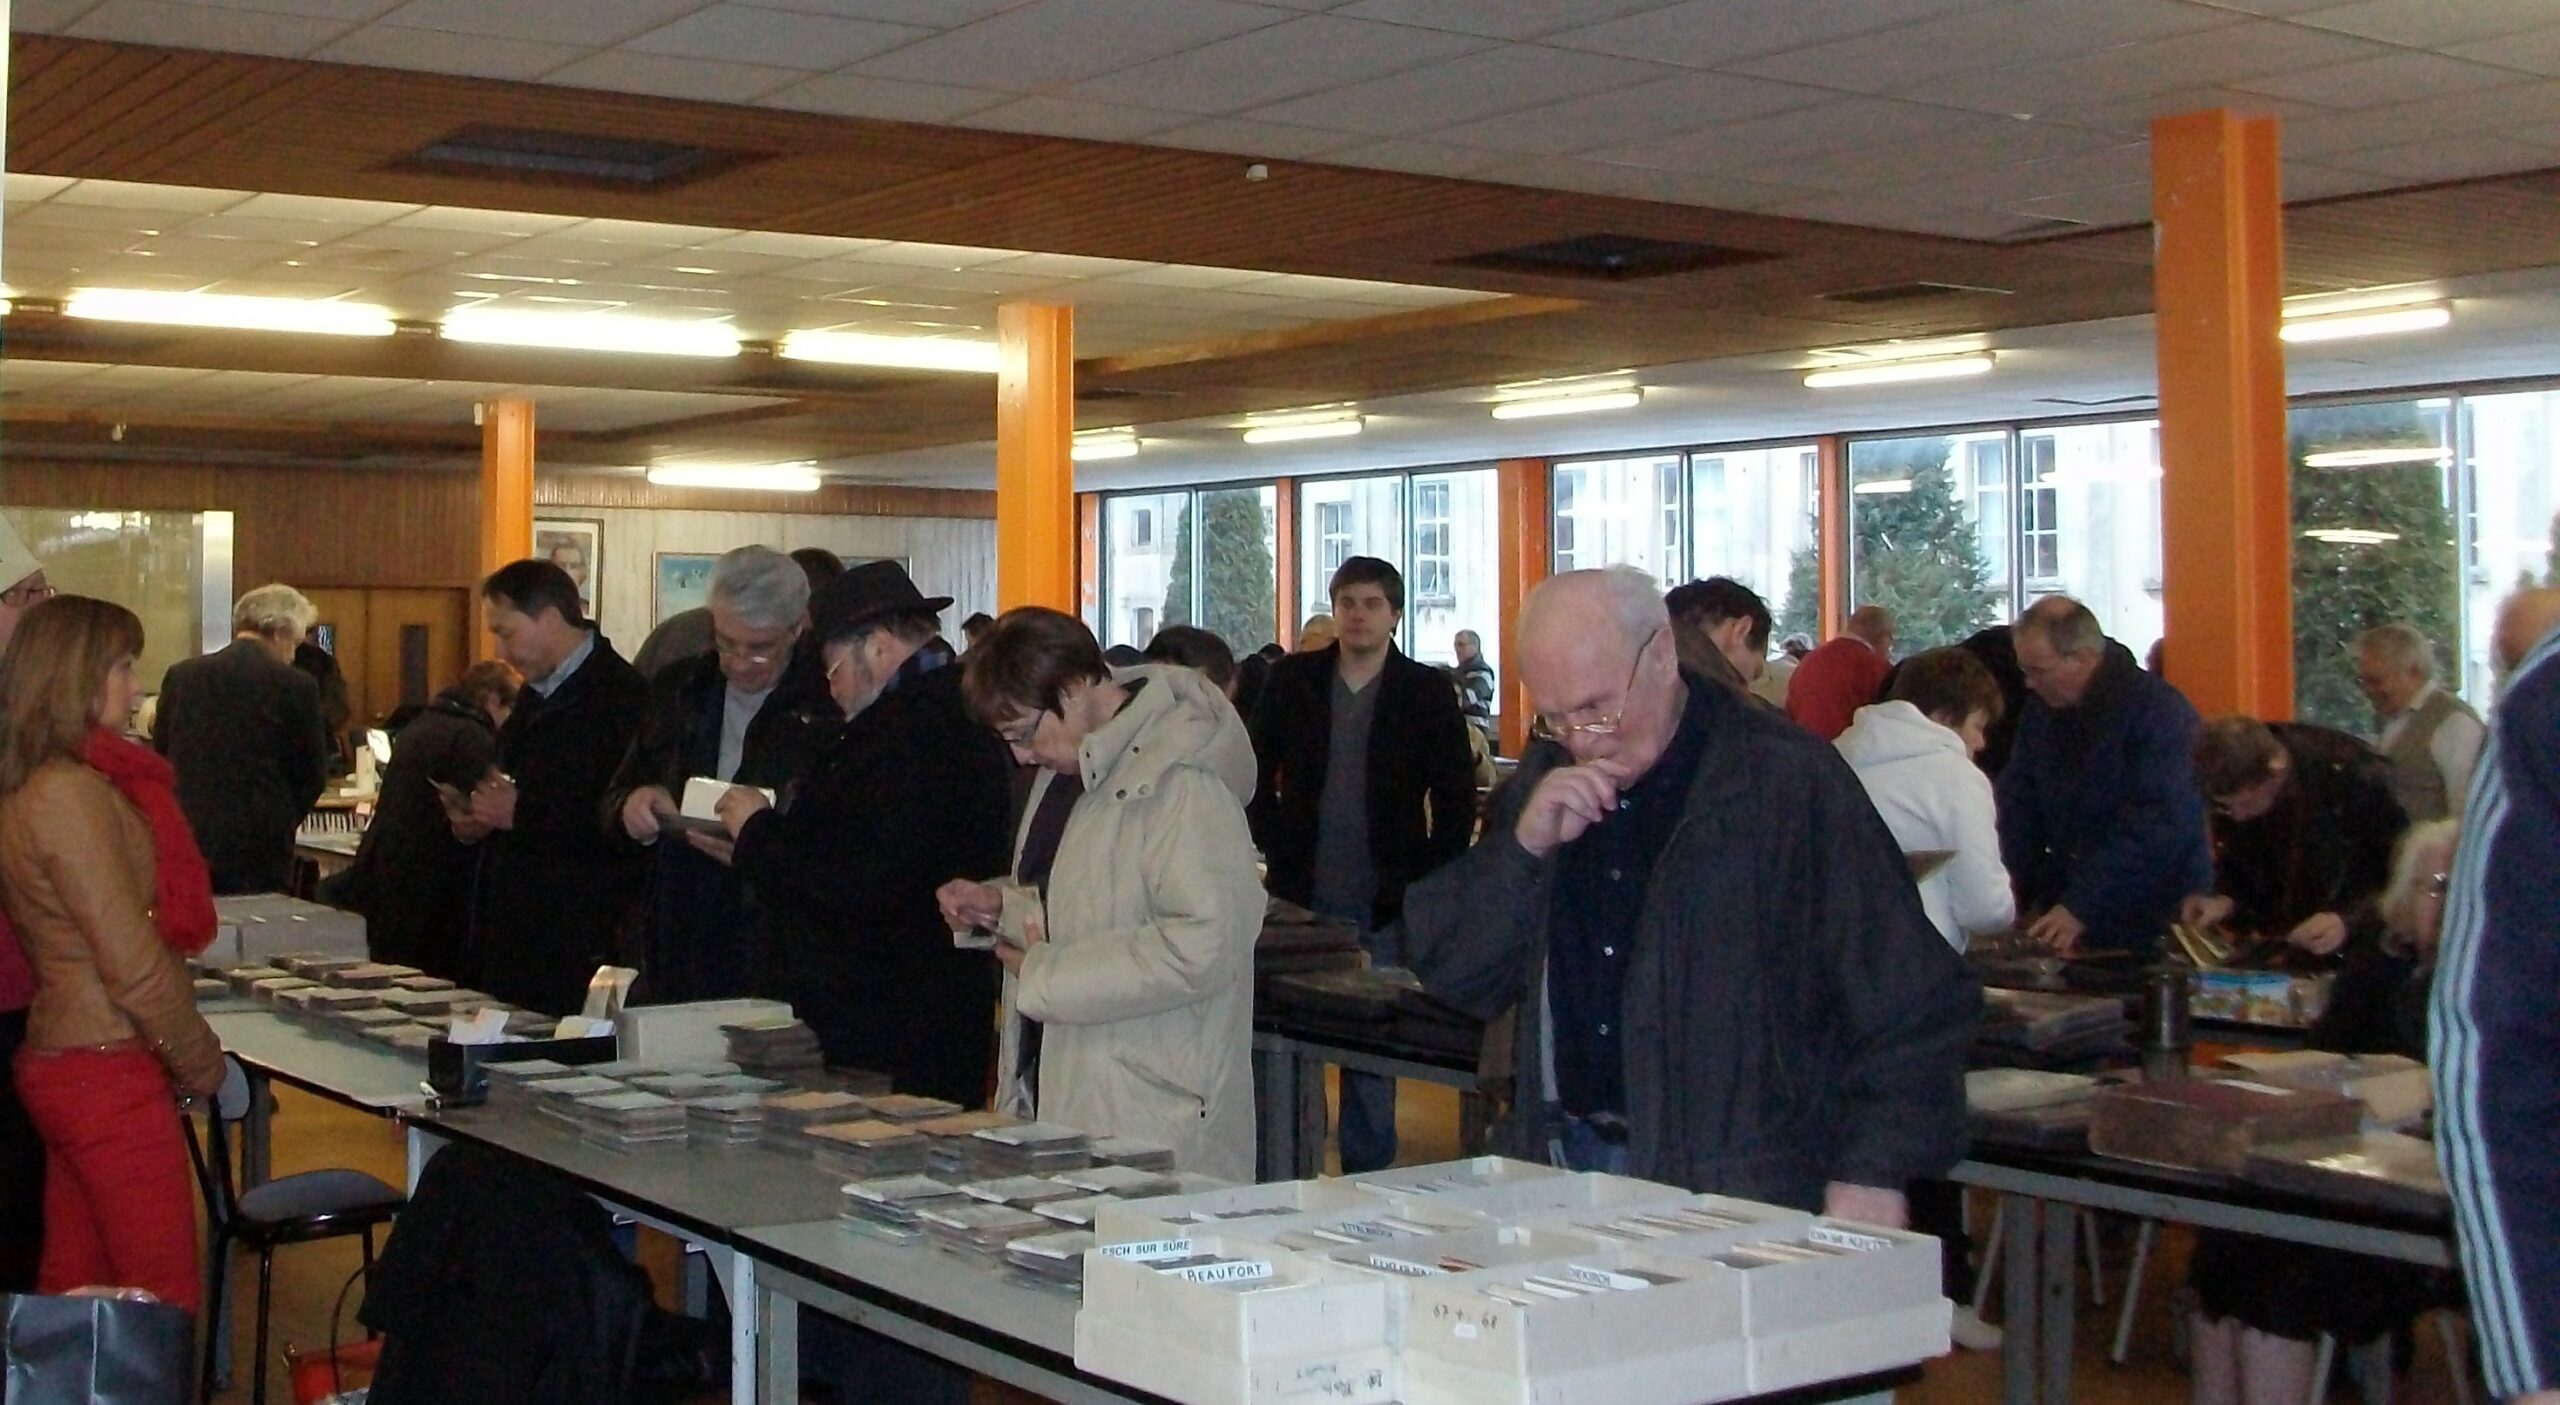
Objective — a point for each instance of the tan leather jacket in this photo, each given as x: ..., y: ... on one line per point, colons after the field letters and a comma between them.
x: 76, y: 872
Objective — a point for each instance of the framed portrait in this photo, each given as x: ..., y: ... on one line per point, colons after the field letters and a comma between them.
x: 575, y: 545
x: 682, y: 582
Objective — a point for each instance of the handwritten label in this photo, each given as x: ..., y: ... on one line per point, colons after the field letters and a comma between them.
x: 1149, y: 1251
x: 1241, y: 1271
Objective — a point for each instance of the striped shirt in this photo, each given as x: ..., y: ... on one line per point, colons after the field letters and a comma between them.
x: 2496, y: 1043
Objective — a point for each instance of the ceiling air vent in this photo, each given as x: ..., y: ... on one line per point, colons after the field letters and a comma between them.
x: 566, y: 158
x: 1910, y: 292
x: 1611, y: 257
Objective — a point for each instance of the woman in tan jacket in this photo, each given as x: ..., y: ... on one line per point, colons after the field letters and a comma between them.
x: 102, y: 911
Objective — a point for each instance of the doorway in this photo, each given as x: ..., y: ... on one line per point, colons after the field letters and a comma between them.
x: 397, y: 645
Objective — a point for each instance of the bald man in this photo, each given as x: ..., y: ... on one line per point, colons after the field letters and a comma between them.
x: 1723, y: 974
x: 2499, y: 1137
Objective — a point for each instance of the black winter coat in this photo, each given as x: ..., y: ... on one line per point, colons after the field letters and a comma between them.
x: 243, y: 730
x: 412, y: 878
x: 2325, y: 847
x: 1792, y: 1019
x: 912, y: 794
x: 555, y: 891
x: 699, y: 936
x: 1421, y: 781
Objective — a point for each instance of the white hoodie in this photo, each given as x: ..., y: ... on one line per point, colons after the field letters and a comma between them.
x: 1932, y: 796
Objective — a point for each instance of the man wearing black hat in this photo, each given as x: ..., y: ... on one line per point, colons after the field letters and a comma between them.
x: 912, y: 795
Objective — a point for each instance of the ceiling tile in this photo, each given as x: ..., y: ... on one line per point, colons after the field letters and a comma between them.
x: 1069, y: 117
x: 1420, y: 158
x: 1463, y: 89
x: 659, y: 75
x: 1267, y: 140
x: 1910, y: 57
x: 1988, y: 142
x: 2536, y: 52
x: 2135, y: 116
x: 1512, y: 19
x: 351, y: 11
x: 758, y: 241
x: 47, y: 16
x: 2494, y: 110
x: 854, y: 95
x: 131, y: 195
x: 1283, y: 61
x: 507, y: 222
x: 317, y: 209
x: 207, y: 27
x: 931, y: 14
x: 1715, y: 192
x: 440, y: 51
x: 781, y: 38
x: 1047, y: 45
x: 25, y: 188
x: 2305, y: 181
x: 2374, y: 82
x: 1680, y: 103
x: 2128, y: 71
x: 1705, y: 33
x: 1881, y: 212
x: 2446, y: 158
x: 550, y: 21
x: 1844, y: 124
x: 2010, y: 185
x: 2431, y: 24
x: 2104, y: 206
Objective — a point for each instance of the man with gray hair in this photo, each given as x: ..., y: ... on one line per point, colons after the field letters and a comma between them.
x: 242, y: 727
x: 752, y: 710
x: 1723, y: 975
x: 2431, y: 737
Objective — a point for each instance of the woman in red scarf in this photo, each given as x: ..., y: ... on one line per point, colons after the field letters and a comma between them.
x: 107, y: 892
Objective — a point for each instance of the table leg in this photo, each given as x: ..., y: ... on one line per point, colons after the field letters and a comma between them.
x: 257, y: 1133
x: 2060, y: 1290
x: 746, y: 1331
x: 2020, y: 1218
x: 1275, y: 1100
x: 778, y: 1349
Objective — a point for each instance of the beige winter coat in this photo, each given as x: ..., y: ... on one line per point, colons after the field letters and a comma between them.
x: 1144, y: 986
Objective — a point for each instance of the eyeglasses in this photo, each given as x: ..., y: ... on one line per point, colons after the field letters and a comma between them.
x: 2438, y: 884
x: 1562, y: 730
x: 757, y: 654
x: 18, y: 597
x: 1021, y: 733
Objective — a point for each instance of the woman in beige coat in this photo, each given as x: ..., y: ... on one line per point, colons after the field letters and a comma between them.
x: 1137, y: 961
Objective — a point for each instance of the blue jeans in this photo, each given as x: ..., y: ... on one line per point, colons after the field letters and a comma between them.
x: 1584, y: 1149
x: 1366, y: 1125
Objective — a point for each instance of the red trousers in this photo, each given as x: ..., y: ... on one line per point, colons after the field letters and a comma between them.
x: 119, y: 1201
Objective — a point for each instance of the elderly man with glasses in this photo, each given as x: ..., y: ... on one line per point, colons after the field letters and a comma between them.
x: 1723, y: 975
x: 751, y: 710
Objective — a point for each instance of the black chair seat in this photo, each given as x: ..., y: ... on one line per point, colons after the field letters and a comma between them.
x: 294, y: 1205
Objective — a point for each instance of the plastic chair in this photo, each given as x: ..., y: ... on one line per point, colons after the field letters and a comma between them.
x: 298, y: 1209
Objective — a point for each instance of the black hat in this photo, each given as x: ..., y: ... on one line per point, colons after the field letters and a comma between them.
x: 868, y: 594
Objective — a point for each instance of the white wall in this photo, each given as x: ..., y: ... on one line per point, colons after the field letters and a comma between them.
x: 947, y: 555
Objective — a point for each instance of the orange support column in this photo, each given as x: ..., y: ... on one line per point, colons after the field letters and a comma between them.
x: 2226, y: 519
x: 1035, y: 468
x: 1527, y: 538
x: 1284, y: 557
x: 506, y: 495
x: 1831, y: 555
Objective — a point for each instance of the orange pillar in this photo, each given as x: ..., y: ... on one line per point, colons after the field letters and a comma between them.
x: 1035, y: 467
x: 1284, y: 552
x: 1831, y: 530
x: 1527, y: 552
x: 506, y: 496
x: 2226, y: 521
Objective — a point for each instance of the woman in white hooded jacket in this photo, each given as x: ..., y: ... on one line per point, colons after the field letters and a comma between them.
x: 1914, y: 752
x: 1137, y: 964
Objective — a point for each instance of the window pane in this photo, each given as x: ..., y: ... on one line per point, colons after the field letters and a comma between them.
x: 1751, y: 515
x: 1143, y: 538
x: 2089, y: 520
x: 1464, y: 589
x: 1621, y: 512
x: 1239, y: 576
x: 1914, y: 544
x: 2374, y: 543
x: 2514, y: 469
x: 1339, y: 518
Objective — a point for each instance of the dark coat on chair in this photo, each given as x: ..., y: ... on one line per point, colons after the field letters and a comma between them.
x: 243, y: 729
x: 555, y: 891
x: 1421, y: 781
x: 412, y: 878
x: 699, y: 937
x: 912, y: 795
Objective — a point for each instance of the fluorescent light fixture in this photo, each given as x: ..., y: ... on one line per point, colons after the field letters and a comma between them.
x: 323, y: 316
x: 761, y: 478
x: 1544, y: 405
x: 904, y: 353
x: 1104, y: 444
x: 2350, y: 536
x: 2375, y: 458
x: 1881, y: 487
x: 1295, y: 428
x: 1929, y: 368
x: 590, y: 331
x: 2425, y: 317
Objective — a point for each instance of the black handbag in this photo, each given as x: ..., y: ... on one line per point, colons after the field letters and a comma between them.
x: 94, y: 1351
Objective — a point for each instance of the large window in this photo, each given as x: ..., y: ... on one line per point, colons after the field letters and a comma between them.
x: 2377, y: 541
x: 2510, y: 488
x: 1139, y: 566
x: 1453, y: 583
x: 2089, y: 517
x: 1342, y: 518
x: 1751, y: 517
x: 1915, y: 548
x: 1192, y: 557
x: 1622, y: 512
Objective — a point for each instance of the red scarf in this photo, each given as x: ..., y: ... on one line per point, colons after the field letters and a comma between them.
x: 183, y: 905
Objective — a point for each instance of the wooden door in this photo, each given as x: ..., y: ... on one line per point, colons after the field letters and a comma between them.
x: 417, y: 643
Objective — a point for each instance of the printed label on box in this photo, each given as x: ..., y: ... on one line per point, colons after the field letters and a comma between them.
x: 1404, y: 1266
x: 1149, y: 1251
x: 1843, y: 1239
x: 1243, y: 1271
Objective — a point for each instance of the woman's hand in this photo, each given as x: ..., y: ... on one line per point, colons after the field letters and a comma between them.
x: 968, y: 906
x: 1034, y: 931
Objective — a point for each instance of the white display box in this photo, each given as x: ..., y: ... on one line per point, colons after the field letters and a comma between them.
x: 1509, y: 1197
x: 1872, y: 1304
x: 1675, y: 1227
x: 254, y: 928
x: 665, y: 1034
x: 1245, y: 1211
x: 1442, y: 1177
x: 1308, y: 1332
x: 1495, y: 1252
x: 1678, y: 1342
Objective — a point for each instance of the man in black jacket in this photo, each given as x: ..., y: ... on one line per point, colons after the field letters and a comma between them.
x: 910, y: 795
x: 1723, y: 976
x: 554, y: 886
x: 412, y: 878
x: 2304, y: 824
x: 1367, y: 783
x: 751, y: 710
x: 242, y: 727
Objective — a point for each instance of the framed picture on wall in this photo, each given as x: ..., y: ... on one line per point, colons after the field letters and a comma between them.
x: 575, y: 545
x: 683, y: 582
